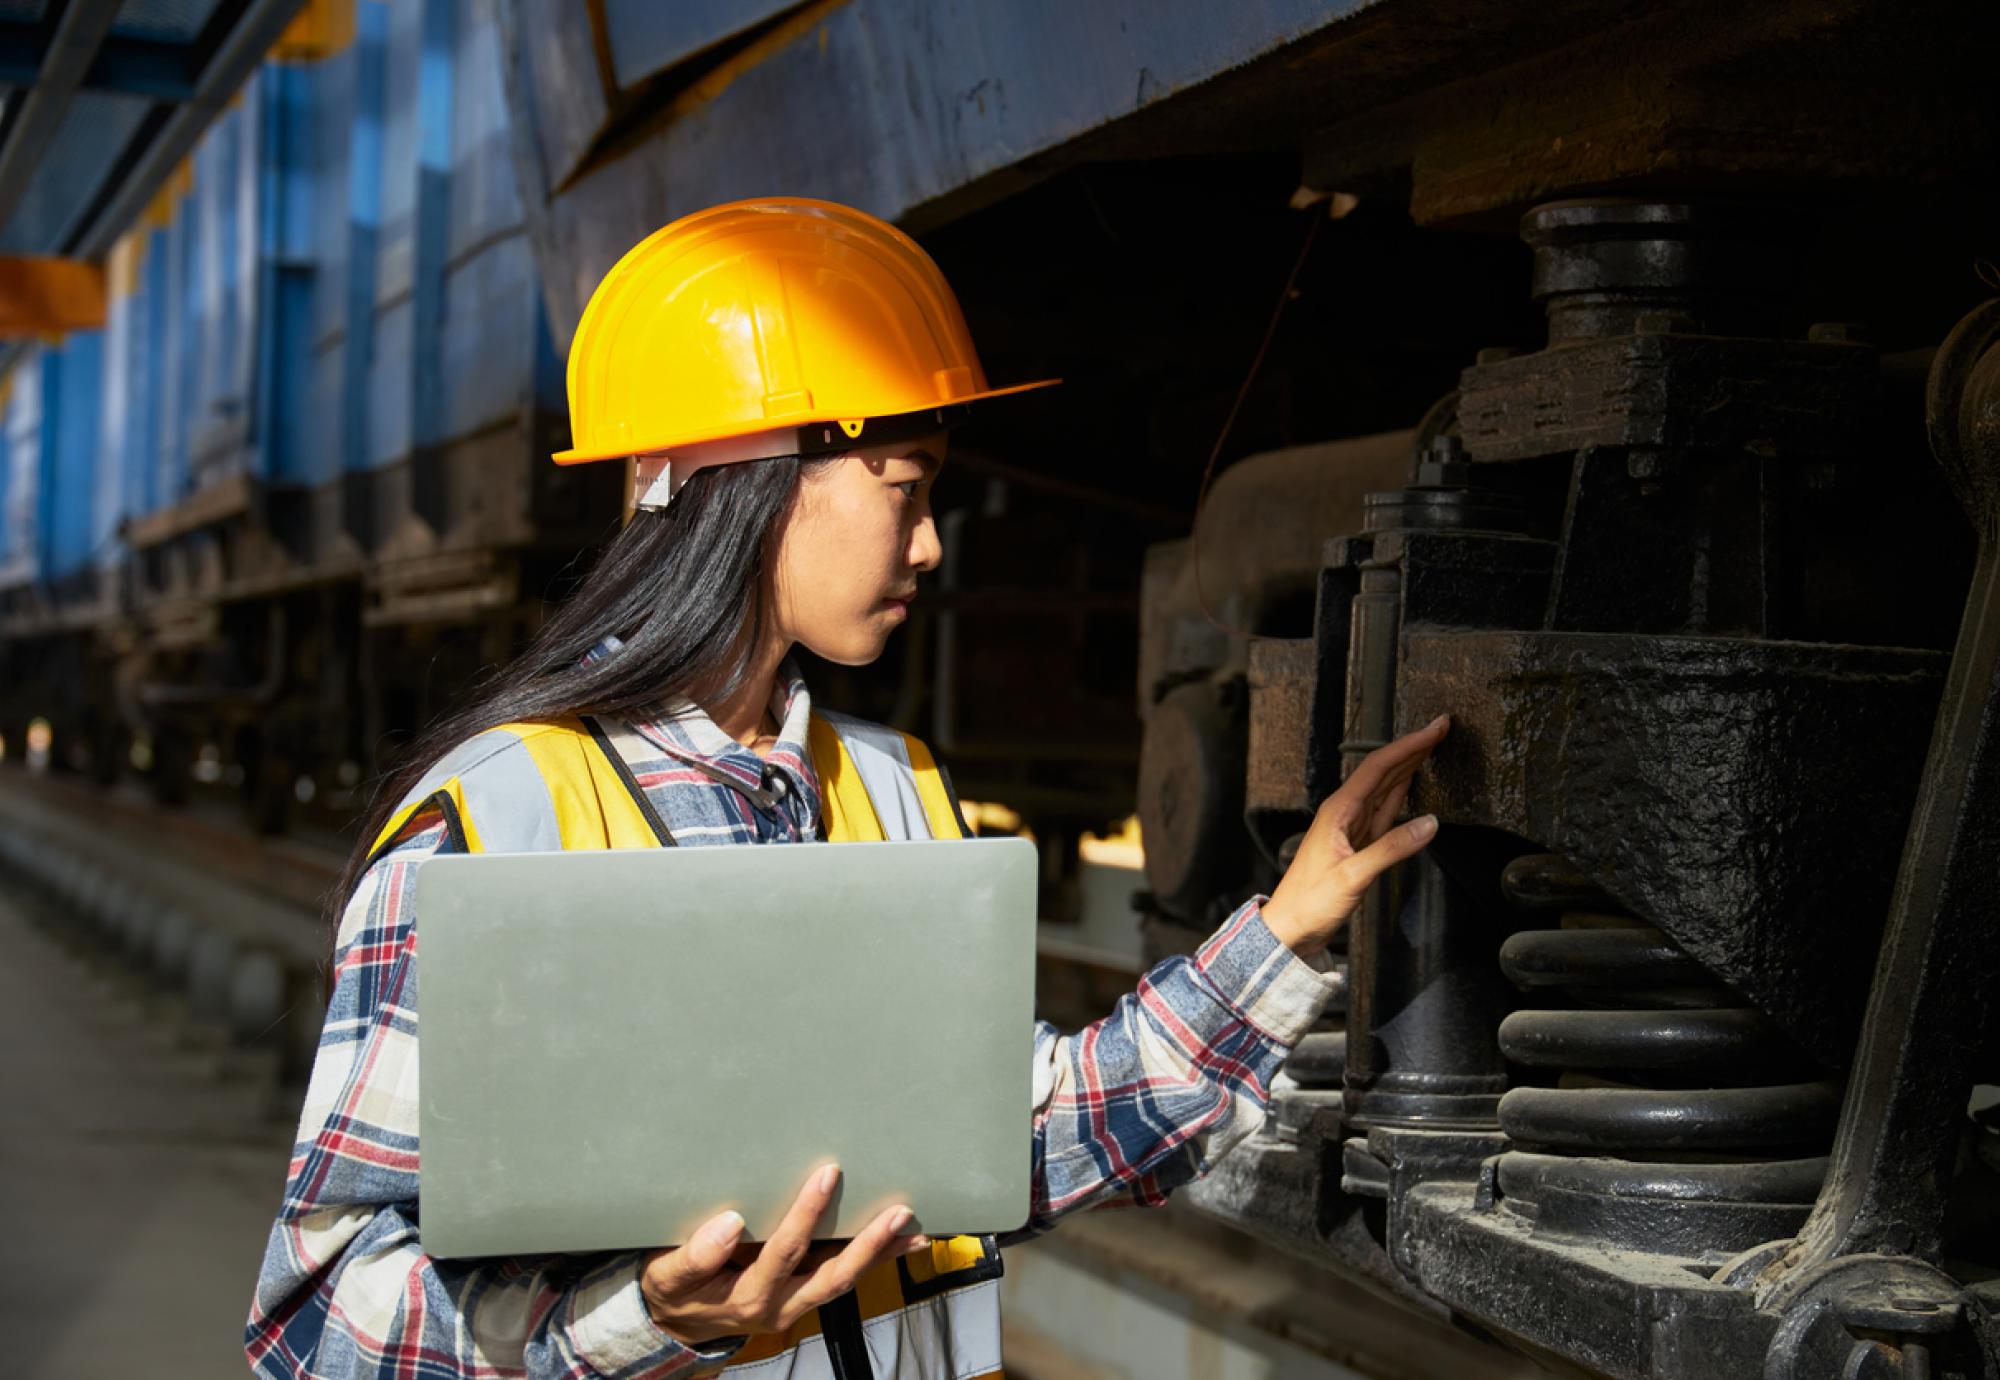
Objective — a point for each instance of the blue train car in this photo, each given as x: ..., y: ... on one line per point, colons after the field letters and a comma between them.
x: 314, y: 425
x: 1656, y: 474
x: 60, y: 524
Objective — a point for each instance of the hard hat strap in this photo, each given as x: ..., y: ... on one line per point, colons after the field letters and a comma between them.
x: 660, y: 475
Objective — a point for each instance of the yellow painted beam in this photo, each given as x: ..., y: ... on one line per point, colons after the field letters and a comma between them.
x: 43, y: 296
x: 322, y: 28
x: 124, y: 263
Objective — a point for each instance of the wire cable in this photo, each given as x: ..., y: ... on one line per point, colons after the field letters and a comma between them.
x: 1317, y: 218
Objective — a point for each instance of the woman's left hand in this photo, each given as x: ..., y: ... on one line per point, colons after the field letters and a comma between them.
x: 1354, y: 839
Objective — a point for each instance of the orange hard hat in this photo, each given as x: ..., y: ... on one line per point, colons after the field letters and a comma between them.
x: 761, y: 316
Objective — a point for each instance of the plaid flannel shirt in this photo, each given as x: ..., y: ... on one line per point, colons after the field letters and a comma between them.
x: 1125, y: 1110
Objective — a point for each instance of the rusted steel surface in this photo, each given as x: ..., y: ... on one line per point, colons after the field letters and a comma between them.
x: 1671, y: 95
x: 1889, y: 1183
x: 1281, y: 678
x: 1730, y: 791
x: 969, y: 92
x: 1672, y: 803
x: 1461, y: 108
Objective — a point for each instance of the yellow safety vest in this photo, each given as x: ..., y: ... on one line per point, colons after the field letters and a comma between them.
x: 534, y: 787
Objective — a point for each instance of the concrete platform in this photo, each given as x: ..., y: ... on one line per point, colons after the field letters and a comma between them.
x: 139, y: 1173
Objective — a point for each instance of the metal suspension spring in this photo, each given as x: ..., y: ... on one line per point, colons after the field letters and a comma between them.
x: 1659, y: 1061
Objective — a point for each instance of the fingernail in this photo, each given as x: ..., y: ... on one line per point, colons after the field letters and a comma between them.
x: 900, y: 1219
x: 828, y: 1177
x: 726, y: 1228
x: 1440, y: 719
x: 917, y: 1243
x: 1425, y: 827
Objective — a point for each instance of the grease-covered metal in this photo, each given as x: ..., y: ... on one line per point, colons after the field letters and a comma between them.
x: 1673, y: 800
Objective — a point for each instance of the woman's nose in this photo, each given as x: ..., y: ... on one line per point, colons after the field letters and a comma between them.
x: 925, y: 548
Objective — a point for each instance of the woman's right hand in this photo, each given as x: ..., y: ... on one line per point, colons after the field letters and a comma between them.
x: 1354, y: 839
x: 708, y: 1288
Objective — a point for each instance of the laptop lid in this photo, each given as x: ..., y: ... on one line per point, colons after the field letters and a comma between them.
x: 615, y: 1046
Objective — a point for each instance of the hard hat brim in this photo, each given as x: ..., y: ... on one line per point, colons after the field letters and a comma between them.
x: 576, y: 456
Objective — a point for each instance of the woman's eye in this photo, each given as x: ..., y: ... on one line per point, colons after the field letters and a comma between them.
x: 910, y: 487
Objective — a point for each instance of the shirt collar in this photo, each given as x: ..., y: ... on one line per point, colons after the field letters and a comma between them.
x: 683, y: 729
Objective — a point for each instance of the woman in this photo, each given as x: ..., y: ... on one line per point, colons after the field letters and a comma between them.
x: 785, y: 372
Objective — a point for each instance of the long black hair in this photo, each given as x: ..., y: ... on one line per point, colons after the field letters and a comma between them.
x: 685, y: 588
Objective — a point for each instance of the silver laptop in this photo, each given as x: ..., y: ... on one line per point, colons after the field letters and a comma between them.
x: 616, y: 1046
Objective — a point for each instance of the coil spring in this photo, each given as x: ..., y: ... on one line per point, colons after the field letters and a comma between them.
x: 1660, y: 1062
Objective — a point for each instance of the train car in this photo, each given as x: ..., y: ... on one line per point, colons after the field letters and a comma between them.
x: 1618, y: 378
x: 1614, y: 378
x: 295, y: 492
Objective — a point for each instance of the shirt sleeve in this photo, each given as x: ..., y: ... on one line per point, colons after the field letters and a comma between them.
x: 346, y: 1290
x: 1137, y: 1104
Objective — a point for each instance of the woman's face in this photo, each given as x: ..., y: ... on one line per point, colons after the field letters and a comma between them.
x: 851, y: 549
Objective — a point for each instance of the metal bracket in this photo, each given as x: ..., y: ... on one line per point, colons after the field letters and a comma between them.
x: 1931, y: 999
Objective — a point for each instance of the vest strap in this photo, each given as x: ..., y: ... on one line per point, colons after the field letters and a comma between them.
x: 878, y: 783
x: 614, y: 740
x: 881, y: 758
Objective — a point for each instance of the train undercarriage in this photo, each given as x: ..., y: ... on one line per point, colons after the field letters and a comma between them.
x: 1634, y: 398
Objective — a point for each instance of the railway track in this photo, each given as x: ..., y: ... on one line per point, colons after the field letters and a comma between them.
x: 219, y: 922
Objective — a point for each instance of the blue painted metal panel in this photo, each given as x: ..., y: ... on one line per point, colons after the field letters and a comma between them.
x: 401, y: 72
x: 485, y: 198
x: 333, y: 131
x: 122, y: 326
x: 431, y: 238
x: 364, y: 230
x: 286, y: 276
x: 490, y: 292
x: 647, y: 36
x: 226, y: 212
x: 291, y: 159
x: 324, y: 440
x: 392, y: 359
x: 144, y: 441
x: 388, y: 382
x: 179, y: 369
x: 21, y: 513
x: 71, y: 530
x: 287, y: 403
x: 491, y: 307
x: 9, y: 539
x: 230, y: 386
x: 206, y: 340
x: 942, y: 92
x: 135, y: 348
x: 349, y: 278
x: 892, y: 104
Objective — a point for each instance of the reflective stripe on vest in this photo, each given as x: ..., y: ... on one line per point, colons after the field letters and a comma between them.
x: 900, y: 789
x: 528, y: 788
x: 524, y: 788
x: 955, y: 1336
